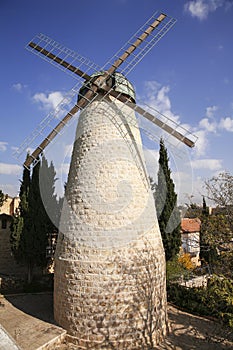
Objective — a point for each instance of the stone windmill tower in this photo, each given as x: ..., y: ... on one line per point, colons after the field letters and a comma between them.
x: 110, y: 287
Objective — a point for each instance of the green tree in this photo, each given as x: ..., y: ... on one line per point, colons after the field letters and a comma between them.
x: 215, y: 230
x: 166, y: 205
x: 31, y: 227
x: 47, y: 189
x: 207, y: 253
x: 3, y: 197
x: 205, y: 209
x: 17, y: 225
x: 34, y: 238
x: 220, y: 191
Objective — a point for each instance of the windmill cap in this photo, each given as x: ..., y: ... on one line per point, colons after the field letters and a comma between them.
x: 119, y: 84
x: 123, y: 85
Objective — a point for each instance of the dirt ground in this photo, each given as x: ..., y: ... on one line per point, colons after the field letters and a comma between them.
x: 187, y: 332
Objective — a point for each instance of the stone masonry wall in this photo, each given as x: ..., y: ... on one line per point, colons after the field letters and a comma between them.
x: 8, y: 265
x: 109, y: 238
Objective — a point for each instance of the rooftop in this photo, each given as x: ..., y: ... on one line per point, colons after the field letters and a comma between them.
x: 190, y: 225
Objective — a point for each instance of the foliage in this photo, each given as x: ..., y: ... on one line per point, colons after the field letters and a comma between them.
x: 205, y: 209
x: 220, y: 191
x: 224, y: 264
x: 48, y: 196
x: 192, y: 211
x: 3, y: 197
x: 215, y: 230
x: 185, y: 260
x: 166, y: 206
x: 34, y: 239
x: 17, y: 226
x: 174, y: 270
x: 214, y: 300
x: 29, y: 231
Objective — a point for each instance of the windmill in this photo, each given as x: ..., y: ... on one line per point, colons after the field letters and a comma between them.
x: 102, y: 225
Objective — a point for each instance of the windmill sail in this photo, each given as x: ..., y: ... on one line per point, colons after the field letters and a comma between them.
x: 57, y: 54
x: 159, y: 119
x: 62, y: 57
x: 131, y: 53
x: 128, y: 56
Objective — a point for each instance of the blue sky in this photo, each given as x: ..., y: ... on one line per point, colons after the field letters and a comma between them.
x: 188, y: 76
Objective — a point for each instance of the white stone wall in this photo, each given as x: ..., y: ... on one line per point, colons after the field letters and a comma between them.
x: 108, y: 230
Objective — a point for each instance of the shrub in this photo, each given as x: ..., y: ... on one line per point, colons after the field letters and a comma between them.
x: 186, y: 262
x: 214, y: 300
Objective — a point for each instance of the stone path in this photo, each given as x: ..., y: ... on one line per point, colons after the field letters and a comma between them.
x: 28, y: 321
x: 6, y: 342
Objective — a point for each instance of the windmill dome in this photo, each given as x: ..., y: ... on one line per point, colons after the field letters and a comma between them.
x: 117, y: 80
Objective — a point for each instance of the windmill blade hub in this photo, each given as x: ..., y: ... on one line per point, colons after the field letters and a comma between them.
x: 117, y: 81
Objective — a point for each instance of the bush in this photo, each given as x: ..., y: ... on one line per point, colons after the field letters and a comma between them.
x: 185, y: 260
x: 214, y: 300
x: 175, y: 270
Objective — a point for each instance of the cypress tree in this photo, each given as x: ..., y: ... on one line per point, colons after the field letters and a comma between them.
x: 33, y: 235
x: 19, y: 218
x: 38, y: 224
x: 205, y: 209
x: 47, y: 190
x: 2, y: 197
x: 30, y: 229
x: 166, y: 205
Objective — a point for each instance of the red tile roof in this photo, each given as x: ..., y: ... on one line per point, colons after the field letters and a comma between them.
x: 190, y: 225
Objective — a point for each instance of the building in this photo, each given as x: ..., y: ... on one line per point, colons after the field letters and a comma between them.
x: 10, y: 205
x: 190, y: 237
x: 108, y: 232
x: 8, y: 265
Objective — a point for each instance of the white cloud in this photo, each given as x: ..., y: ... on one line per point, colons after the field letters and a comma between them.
x: 202, y: 143
x: 157, y: 97
x: 226, y: 123
x: 197, y: 9
x: 48, y: 101
x: 210, y: 111
x: 202, y: 8
x: 186, y: 180
x: 163, y: 101
x: 207, y: 125
x: 10, y: 169
x: 210, y: 164
x: 18, y: 87
x: 3, y: 146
